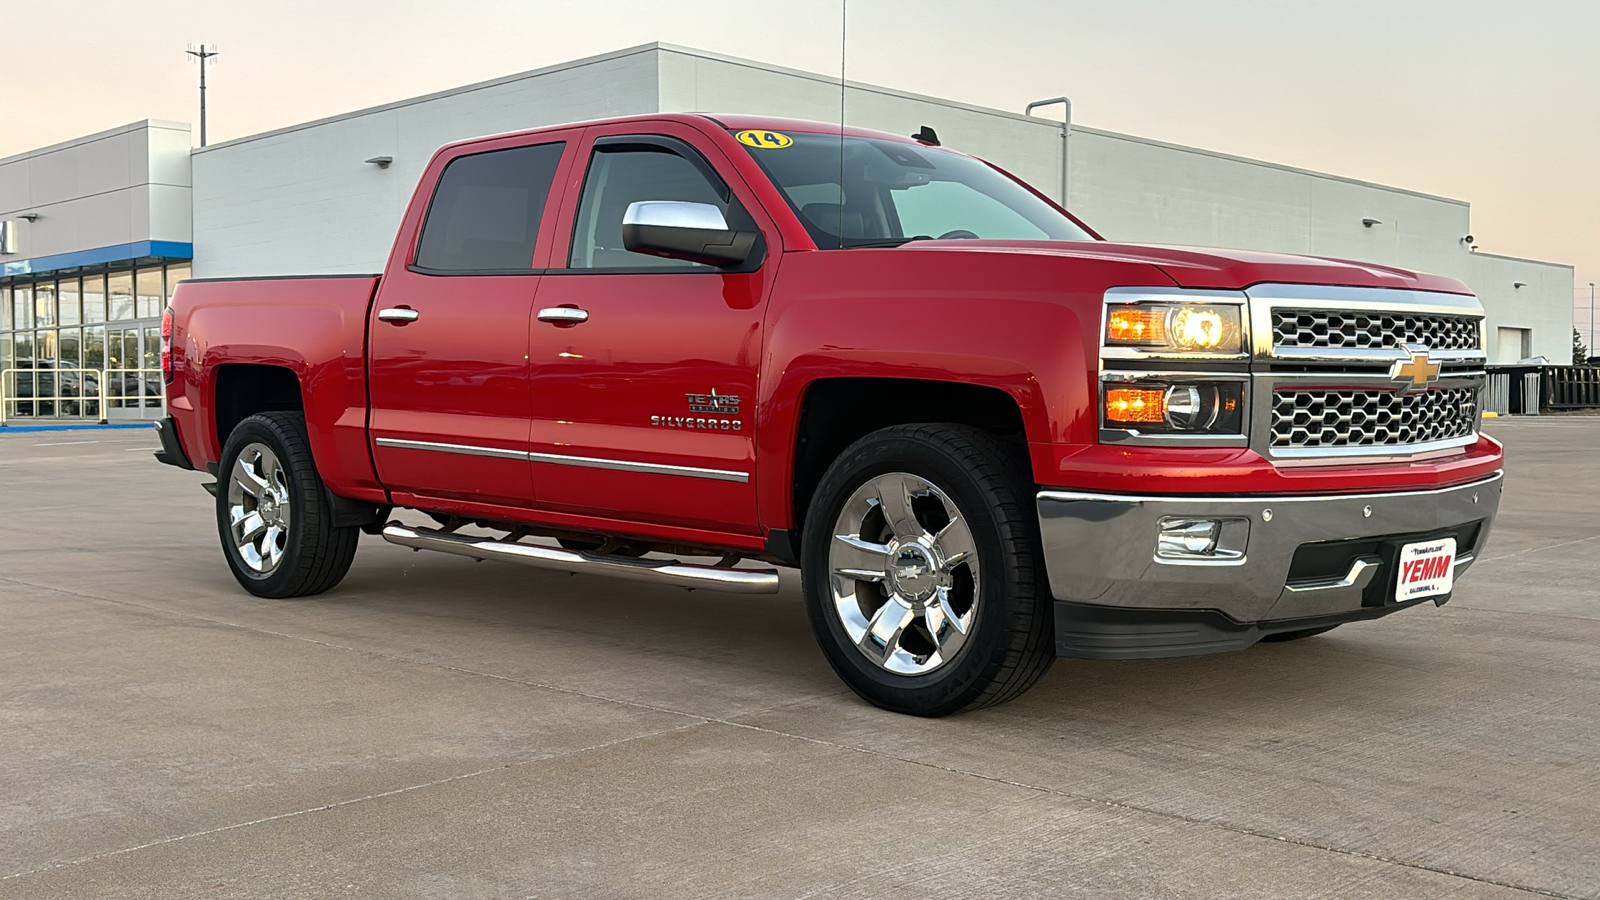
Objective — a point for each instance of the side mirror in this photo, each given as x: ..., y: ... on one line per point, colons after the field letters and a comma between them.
x: 677, y: 229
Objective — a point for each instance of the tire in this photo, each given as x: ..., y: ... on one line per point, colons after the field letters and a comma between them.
x: 1302, y: 634
x: 863, y: 575
x: 267, y: 473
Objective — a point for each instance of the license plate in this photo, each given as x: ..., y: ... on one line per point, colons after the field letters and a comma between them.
x: 1427, y: 569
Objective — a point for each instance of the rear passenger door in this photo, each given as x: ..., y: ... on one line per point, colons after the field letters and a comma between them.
x: 645, y: 410
x: 448, y: 349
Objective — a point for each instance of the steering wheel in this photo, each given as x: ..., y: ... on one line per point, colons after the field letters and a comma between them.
x: 959, y: 234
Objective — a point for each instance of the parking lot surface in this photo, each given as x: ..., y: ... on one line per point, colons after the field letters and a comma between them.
x: 439, y: 728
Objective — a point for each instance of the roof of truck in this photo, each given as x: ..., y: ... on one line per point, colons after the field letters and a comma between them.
x: 731, y: 122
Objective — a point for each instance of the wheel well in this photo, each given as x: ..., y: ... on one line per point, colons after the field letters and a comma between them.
x: 836, y: 413
x: 244, y: 390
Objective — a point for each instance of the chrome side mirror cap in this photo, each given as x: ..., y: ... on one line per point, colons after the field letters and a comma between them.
x: 677, y: 229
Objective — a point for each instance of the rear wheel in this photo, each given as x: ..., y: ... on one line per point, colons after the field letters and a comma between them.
x: 922, y: 571
x: 274, y: 522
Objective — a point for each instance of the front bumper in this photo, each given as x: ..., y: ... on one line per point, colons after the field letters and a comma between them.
x: 1302, y: 561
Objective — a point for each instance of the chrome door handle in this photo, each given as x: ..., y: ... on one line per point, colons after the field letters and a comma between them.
x: 563, y: 315
x: 398, y: 315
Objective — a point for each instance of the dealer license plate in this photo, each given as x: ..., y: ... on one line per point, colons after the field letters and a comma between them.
x: 1427, y: 569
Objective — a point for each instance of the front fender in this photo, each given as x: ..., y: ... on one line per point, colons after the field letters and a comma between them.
x: 1026, y: 325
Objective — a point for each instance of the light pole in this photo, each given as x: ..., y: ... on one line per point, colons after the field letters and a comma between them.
x: 1591, y: 320
x: 202, y: 55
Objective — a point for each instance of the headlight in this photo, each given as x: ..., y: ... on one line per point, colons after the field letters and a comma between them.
x: 1150, y: 407
x: 1175, y: 327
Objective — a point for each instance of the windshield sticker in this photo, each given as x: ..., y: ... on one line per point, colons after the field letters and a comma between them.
x: 764, y: 140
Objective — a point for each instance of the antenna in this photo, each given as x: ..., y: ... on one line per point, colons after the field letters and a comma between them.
x: 844, y: 25
x: 203, y: 54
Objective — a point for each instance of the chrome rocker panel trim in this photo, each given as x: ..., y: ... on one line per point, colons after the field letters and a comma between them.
x: 1100, y: 552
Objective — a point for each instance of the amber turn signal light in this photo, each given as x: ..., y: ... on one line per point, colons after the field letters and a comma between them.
x: 1136, y: 405
x: 1137, y: 325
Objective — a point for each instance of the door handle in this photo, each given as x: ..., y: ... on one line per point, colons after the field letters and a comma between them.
x: 563, y: 315
x: 399, y: 315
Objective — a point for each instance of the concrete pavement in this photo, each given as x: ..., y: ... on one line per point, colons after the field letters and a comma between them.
x: 439, y: 728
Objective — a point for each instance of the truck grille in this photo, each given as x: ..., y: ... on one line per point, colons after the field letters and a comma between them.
x: 1345, y: 329
x: 1345, y: 418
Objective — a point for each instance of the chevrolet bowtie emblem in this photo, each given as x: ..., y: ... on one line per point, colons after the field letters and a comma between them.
x: 1417, y: 371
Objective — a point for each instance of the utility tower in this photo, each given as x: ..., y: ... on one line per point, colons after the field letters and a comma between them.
x: 202, y: 54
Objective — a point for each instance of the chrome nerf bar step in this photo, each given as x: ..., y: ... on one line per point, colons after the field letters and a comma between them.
x: 658, y: 571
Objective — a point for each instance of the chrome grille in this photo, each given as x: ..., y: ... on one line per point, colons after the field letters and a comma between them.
x: 1346, y: 329
x: 1346, y: 418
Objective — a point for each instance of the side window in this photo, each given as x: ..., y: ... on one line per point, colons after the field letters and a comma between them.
x: 485, y: 212
x: 621, y: 174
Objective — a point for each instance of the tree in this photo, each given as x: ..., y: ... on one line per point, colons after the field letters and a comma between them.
x: 1580, y: 353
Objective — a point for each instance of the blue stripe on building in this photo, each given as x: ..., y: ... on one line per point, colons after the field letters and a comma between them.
x: 169, y: 250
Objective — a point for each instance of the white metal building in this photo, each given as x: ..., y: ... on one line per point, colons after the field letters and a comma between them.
x: 301, y: 199
x: 94, y: 232
x: 307, y: 199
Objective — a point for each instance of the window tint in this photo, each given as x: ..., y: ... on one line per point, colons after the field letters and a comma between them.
x: 485, y: 213
x: 625, y: 174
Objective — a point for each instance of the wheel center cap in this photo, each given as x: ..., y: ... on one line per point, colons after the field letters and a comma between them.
x: 269, y: 509
x: 911, y: 572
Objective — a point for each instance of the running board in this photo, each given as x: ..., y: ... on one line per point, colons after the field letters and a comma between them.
x: 658, y: 571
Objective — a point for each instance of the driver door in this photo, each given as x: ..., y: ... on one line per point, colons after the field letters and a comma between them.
x: 645, y: 409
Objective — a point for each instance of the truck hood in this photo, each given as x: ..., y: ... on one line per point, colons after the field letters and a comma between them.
x: 1202, y: 267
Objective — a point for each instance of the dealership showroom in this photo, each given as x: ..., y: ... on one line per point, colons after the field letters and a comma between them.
x: 432, y: 727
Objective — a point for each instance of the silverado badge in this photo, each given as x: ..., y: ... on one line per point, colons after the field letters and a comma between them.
x: 714, y: 403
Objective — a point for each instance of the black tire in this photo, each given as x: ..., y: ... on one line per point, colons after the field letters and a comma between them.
x: 1302, y: 634
x: 314, y: 555
x: 1009, y: 644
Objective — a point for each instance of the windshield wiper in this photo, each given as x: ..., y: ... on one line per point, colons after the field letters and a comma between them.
x: 888, y: 242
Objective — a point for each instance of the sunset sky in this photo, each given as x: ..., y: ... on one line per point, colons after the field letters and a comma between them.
x: 1493, y: 102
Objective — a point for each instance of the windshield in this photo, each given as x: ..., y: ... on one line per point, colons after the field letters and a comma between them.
x: 895, y: 192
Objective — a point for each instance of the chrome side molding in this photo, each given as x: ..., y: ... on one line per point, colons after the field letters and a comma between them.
x: 688, y: 575
x: 587, y: 462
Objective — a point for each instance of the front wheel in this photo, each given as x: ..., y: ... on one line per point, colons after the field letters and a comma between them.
x: 921, y: 571
x: 276, y: 528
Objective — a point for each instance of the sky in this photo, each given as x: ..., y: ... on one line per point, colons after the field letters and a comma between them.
x: 1492, y: 101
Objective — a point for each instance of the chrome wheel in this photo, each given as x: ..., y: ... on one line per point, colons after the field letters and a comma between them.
x: 258, y: 508
x: 903, y: 574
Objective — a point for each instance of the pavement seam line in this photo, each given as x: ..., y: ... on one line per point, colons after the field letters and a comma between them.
x: 1134, y: 807
x: 1592, y: 537
x: 342, y: 803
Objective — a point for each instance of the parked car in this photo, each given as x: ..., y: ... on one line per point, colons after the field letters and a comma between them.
x: 986, y: 436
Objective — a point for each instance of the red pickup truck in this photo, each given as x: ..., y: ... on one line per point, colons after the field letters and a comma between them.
x: 654, y: 347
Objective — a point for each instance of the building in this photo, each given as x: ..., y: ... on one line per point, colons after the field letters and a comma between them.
x: 96, y: 233
x: 326, y: 196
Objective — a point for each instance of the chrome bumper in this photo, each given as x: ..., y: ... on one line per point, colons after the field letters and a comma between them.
x: 1100, y: 550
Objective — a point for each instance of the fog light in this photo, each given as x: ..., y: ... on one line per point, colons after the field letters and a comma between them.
x: 1188, y: 538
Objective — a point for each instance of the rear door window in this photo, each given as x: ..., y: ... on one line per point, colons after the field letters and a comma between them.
x: 485, y: 214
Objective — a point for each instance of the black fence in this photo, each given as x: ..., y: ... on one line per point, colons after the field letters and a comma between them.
x: 1571, y: 387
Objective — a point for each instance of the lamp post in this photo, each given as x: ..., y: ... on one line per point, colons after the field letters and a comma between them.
x: 202, y: 55
x: 1591, y: 319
